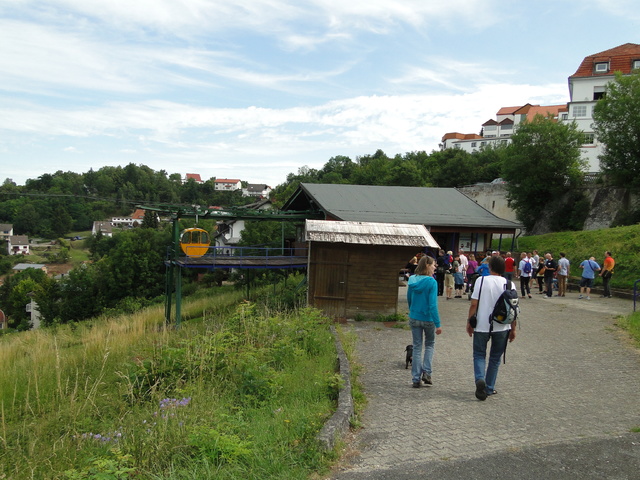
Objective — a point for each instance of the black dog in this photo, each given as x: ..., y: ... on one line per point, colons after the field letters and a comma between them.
x: 409, y: 358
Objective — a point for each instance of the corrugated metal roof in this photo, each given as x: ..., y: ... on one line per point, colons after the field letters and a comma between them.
x: 367, y: 233
x: 410, y: 205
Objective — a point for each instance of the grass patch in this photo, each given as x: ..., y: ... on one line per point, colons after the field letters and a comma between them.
x: 239, y: 391
x: 631, y: 323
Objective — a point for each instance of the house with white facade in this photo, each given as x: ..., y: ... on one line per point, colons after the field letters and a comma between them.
x: 227, y: 184
x: 586, y: 86
x: 589, y: 83
x: 6, y: 230
x: 103, y: 227
x: 18, y: 245
x: 192, y: 176
x: 256, y: 190
x: 229, y: 231
x: 498, y: 132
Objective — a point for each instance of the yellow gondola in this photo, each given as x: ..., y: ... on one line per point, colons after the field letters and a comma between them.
x: 194, y: 242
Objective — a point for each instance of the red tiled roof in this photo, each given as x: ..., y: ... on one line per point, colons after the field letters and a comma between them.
x: 507, y: 110
x: 138, y: 214
x: 545, y: 110
x: 195, y: 176
x: 620, y: 60
x: 490, y: 122
x: 226, y: 180
x: 506, y: 121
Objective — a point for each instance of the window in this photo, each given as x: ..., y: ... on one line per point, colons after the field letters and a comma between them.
x: 587, y: 138
x: 602, y: 67
x: 506, y: 127
x: 598, y: 93
x: 636, y: 65
x: 482, y: 144
x: 490, y: 127
x: 473, y: 144
x: 579, y: 111
x: 565, y: 116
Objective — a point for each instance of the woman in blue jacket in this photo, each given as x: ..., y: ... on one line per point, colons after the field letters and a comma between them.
x: 424, y: 319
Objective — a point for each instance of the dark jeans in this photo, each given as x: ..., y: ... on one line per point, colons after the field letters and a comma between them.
x: 524, y: 285
x: 548, y: 283
x: 540, y: 283
x: 606, y: 287
x: 440, y: 280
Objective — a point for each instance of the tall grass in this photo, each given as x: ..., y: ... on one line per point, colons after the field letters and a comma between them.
x: 239, y: 391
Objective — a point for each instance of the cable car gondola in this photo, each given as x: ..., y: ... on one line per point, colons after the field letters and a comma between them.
x: 194, y: 242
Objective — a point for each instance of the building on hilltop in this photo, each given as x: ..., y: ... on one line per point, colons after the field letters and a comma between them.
x: 227, y: 184
x: 498, y: 132
x: 192, y: 176
x: 586, y: 86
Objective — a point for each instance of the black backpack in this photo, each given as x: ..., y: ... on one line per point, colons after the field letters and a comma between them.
x: 507, y: 307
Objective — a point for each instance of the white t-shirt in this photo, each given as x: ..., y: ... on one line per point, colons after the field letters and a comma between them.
x: 464, y: 262
x: 523, y: 262
x: 492, y: 287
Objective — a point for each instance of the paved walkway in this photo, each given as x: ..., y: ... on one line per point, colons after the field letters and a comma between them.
x: 568, y: 398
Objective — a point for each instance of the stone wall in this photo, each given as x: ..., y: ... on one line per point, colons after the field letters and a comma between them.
x: 605, y: 204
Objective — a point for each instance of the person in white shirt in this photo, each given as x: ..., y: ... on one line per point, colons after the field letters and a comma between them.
x: 485, y: 294
x: 525, y: 271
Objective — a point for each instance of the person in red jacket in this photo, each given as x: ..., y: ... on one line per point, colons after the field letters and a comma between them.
x: 509, y: 267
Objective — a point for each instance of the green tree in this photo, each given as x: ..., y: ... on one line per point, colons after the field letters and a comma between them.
x: 543, y: 162
x: 617, y: 125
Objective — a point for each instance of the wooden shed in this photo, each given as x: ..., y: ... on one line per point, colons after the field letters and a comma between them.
x: 353, y: 266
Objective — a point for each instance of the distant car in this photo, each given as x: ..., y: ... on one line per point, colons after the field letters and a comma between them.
x: 77, y: 238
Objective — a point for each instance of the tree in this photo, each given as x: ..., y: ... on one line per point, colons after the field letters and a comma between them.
x: 542, y: 163
x: 617, y: 125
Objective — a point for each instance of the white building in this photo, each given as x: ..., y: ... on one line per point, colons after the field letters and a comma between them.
x: 256, y: 190
x: 18, y: 245
x: 586, y: 86
x: 227, y: 184
x: 589, y: 84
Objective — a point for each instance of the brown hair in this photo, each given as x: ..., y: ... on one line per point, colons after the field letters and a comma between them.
x: 421, y: 269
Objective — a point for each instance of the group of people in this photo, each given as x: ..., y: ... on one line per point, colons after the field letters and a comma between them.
x: 435, y: 277
x: 548, y: 272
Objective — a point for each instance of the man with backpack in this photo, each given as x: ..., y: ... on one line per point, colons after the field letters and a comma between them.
x: 525, y: 269
x: 483, y: 324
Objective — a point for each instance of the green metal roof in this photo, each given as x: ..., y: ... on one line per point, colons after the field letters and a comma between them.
x: 413, y: 205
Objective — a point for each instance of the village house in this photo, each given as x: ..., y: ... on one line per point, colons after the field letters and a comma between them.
x: 6, y: 231
x: 103, y: 227
x: 18, y: 245
x: 256, y: 190
x: 21, y: 267
x: 227, y: 184
x: 192, y: 176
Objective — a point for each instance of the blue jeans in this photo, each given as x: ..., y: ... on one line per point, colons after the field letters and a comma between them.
x: 418, y: 331
x: 498, y: 345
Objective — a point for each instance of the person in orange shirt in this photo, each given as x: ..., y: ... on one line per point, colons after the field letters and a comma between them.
x: 606, y: 273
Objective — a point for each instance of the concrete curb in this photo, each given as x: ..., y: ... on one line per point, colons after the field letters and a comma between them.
x: 338, y: 424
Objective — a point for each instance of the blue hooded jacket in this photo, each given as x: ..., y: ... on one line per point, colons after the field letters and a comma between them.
x: 422, y: 296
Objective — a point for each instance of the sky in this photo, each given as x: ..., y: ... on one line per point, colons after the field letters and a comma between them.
x: 256, y: 89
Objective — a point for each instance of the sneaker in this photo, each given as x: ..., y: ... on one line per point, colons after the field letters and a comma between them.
x: 416, y: 384
x: 481, y: 390
x: 427, y: 379
x: 529, y: 296
x: 588, y: 297
x: 580, y: 297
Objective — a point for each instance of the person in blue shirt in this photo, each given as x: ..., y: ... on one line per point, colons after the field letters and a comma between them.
x: 589, y: 269
x: 424, y: 319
